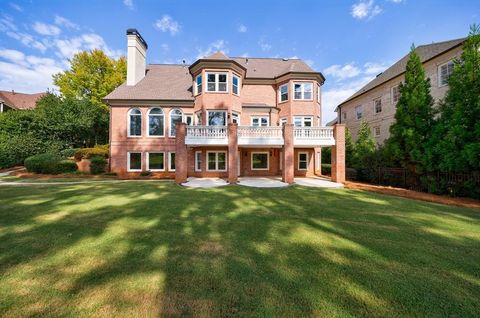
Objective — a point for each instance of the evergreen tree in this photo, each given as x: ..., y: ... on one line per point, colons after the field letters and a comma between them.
x: 455, y: 145
x: 364, y: 146
x: 349, y: 148
x: 414, y: 118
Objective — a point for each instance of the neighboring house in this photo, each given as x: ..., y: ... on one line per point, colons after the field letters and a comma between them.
x: 376, y: 102
x: 19, y: 101
x: 219, y: 117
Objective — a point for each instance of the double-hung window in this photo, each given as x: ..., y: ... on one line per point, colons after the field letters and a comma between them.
x: 236, y: 85
x: 198, y: 161
x: 217, y: 161
x: 377, y: 106
x: 444, y: 72
x: 134, y: 161
x: 260, y: 161
x: 217, y: 82
x: 395, y: 94
x: 259, y: 121
x: 302, y: 160
x: 217, y: 118
x: 283, y: 92
x: 302, y: 121
x: 156, y: 161
x: 198, y: 84
x: 303, y: 91
x: 359, y: 112
x: 134, y: 123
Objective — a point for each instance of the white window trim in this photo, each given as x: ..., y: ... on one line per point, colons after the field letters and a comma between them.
x: 128, y: 123
x: 268, y: 160
x: 439, y: 72
x: 148, y: 160
x: 283, y: 121
x: 318, y: 94
x: 260, y: 120
x: 189, y: 115
x: 197, y: 92
x: 375, y: 107
x: 128, y: 161
x: 303, y: 120
x: 148, y: 123
x: 196, y: 161
x: 356, y: 113
x: 298, y: 160
x: 302, y: 91
x: 238, y: 86
x: 216, y: 111
x: 237, y: 115
x: 216, y: 161
x: 197, y: 121
x: 216, y: 82
x: 391, y: 94
x: 280, y: 93
x: 170, y: 121
x: 170, y: 161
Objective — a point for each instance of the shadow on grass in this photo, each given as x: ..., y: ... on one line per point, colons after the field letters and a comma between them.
x: 149, y: 249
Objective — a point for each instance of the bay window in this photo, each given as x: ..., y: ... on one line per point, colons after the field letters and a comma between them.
x: 259, y: 121
x: 302, y: 121
x: 283, y: 92
x: 236, y: 85
x: 217, y: 82
x: 303, y: 91
x: 217, y: 118
x: 198, y: 85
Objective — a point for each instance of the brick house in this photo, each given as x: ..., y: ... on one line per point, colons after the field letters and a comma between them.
x: 220, y: 117
x: 376, y: 102
x: 10, y: 100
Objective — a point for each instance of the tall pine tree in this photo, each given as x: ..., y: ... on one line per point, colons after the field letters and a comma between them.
x: 455, y: 145
x: 413, y: 118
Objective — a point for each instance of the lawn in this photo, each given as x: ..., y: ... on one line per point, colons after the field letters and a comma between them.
x: 148, y: 249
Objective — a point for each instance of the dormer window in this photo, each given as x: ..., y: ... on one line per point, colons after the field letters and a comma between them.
x: 217, y: 82
x: 198, y: 85
x: 303, y: 91
x: 235, y: 85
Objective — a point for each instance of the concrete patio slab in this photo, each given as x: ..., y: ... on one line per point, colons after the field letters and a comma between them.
x: 205, y: 183
x: 261, y: 182
x: 317, y: 182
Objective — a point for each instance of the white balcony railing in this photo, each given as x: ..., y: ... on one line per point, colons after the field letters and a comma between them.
x: 313, y: 136
x: 206, y: 135
x: 270, y: 136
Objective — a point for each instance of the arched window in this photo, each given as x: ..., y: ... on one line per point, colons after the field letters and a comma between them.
x: 156, y: 122
x: 134, y: 123
x: 175, y: 117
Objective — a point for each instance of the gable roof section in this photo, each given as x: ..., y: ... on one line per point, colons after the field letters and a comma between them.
x: 426, y: 53
x: 270, y: 68
x: 19, y: 100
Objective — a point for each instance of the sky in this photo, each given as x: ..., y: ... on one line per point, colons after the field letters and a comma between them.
x: 349, y: 41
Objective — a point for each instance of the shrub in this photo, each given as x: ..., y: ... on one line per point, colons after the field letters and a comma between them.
x: 97, y: 164
x: 48, y: 163
x: 326, y: 169
x: 69, y: 152
x: 87, y: 153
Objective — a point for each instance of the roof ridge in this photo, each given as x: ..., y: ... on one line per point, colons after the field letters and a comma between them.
x: 172, y: 64
x: 266, y: 58
x: 441, y: 42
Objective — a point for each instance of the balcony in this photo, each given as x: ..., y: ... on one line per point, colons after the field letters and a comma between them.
x: 259, y: 136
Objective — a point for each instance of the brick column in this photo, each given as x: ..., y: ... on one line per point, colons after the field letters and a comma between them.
x: 338, y: 154
x: 232, y: 153
x: 181, y: 155
x: 288, y: 157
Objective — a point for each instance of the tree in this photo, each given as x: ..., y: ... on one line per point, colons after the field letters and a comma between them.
x: 349, y: 148
x: 364, y: 146
x: 455, y: 145
x: 414, y: 118
x: 92, y: 75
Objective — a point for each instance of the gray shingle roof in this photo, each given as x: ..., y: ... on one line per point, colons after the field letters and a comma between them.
x: 19, y: 100
x: 426, y: 52
x: 272, y: 67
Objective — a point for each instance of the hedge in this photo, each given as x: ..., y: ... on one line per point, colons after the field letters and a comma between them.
x: 87, y: 153
x: 97, y: 165
x: 48, y: 163
x: 326, y: 169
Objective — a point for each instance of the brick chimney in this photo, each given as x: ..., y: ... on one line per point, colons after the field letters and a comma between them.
x: 136, y: 57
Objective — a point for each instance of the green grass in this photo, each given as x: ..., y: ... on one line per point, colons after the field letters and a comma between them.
x: 147, y: 249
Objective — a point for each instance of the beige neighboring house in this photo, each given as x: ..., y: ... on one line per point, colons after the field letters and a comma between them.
x: 10, y: 100
x: 376, y: 102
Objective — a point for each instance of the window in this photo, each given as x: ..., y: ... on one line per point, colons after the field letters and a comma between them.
x: 283, y: 91
x: 302, y: 121
x: 198, y: 161
x: 283, y: 121
x: 359, y: 112
x: 189, y: 120
x: 235, y: 85
x: 134, y: 161
x: 135, y: 123
x: 395, y: 94
x: 217, y: 118
x: 175, y: 117
x: 199, y: 118
x: 260, y: 160
x: 171, y: 161
x: 344, y: 115
x: 444, y: 72
x: 156, y: 161
x: 216, y: 82
x: 376, y: 131
x: 198, y: 85
x: 377, y: 106
x: 217, y: 161
x: 303, y: 91
x: 302, y: 160
x: 318, y: 94
x: 156, y: 122
x: 236, y: 118
x: 259, y: 121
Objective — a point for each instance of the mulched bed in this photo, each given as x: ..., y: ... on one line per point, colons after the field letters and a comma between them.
x: 461, y: 202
